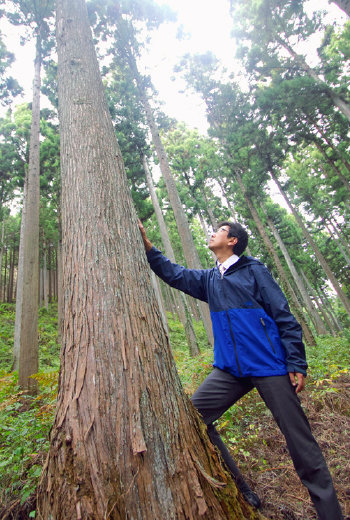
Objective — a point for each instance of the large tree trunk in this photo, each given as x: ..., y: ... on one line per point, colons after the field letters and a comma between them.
x: 290, y: 294
x: 338, y: 102
x: 317, y: 252
x: 319, y: 325
x: 185, y: 315
x: 187, y: 242
x: 28, y: 354
x: 126, y: 442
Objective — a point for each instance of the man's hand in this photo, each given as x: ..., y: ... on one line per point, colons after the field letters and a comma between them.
x: 146, y: 242
x: 299, y: 382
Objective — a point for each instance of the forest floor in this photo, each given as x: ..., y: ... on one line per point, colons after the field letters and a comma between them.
x: 248, y: 427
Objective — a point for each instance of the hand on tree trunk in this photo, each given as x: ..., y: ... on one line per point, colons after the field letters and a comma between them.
x: 146, y: 242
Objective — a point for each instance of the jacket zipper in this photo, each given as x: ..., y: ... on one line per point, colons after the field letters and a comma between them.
x: 232, y: 336
x: 234, y: 344
x: 264, y: 327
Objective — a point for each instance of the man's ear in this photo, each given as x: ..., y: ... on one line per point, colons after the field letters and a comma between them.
x: 232, y: 242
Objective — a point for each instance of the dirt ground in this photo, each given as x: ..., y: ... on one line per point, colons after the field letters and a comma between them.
x: 276, y: 482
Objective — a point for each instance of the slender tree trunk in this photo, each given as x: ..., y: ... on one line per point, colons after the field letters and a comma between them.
x: 320, y: 306
x: 319, y: 325
x: 329, y: 142
x: 5, y: 274
x: 28, y: 336
x: 126, y: 442
x: 338, y: 102
x: 339, y: 245
x: 59, y: 276
x: 44, y: 271
x: 194, y: 308
x: 12, y: 273
x: 296, y: 308
x: 185, y: 315
x: 212, y: 218
x: 333, y: 166
x: 1, y: 252
x: 187, y: 242
x: 41, y: 288
x: 339, y: 236
x: 325, y: 302
x: 207, y: 235
x: 317, y: 252
x: 50, y: 274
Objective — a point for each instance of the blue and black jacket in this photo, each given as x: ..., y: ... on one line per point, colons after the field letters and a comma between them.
x: 255, y: 334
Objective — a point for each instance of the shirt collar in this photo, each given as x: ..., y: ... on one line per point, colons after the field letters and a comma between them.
x: 230, y: 261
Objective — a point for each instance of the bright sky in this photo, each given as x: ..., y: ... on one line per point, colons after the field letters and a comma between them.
x: 209, y: 24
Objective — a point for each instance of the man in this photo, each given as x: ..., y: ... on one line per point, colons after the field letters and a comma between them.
x: 257, y: 343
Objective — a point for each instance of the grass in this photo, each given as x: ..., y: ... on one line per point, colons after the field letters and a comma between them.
x: 246, y: 427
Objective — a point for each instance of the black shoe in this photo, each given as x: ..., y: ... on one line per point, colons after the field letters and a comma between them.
x: 252, y: 498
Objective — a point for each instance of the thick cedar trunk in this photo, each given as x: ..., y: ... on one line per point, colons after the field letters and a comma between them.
x: 187, y: 242
x: 185, y: 316
x: 296, y: 308
x: 317, y: 252
x: 338, y: 102
x: 319, y: 325
x: 28, y: 337
x: 126, y: 442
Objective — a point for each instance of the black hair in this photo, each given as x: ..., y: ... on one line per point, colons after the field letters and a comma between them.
x: 237, y: 231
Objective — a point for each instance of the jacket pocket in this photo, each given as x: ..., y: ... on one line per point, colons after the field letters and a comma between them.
x: 267, y: 336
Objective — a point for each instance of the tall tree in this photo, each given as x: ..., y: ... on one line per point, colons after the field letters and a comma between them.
x: 125, y: 441
x: 36, y: 17
x: 272, y: 27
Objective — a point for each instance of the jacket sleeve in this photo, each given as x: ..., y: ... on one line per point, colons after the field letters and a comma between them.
x: 276, y: 306
x: 189, y: 281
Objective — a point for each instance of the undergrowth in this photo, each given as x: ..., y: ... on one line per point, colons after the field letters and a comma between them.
x: 25, y: 425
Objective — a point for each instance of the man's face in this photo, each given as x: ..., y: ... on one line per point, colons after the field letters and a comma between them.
x: 220, y: 240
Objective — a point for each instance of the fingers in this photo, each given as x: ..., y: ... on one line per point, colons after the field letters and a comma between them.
x: 298, y: 381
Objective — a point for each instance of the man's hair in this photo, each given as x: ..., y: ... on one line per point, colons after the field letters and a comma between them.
x: 237, y: 231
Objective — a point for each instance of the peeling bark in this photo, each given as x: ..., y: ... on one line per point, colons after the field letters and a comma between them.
x: 126, y: 442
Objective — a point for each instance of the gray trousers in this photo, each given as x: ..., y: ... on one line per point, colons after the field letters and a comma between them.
x: 221, y: 390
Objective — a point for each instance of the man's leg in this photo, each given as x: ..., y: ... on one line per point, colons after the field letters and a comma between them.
x: 280, y: 397
x: 216, y: 394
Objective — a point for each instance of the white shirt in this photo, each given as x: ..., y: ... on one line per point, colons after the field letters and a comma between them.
x: 225, y: 265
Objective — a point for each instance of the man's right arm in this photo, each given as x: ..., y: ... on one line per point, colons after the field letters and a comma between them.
x: 189, y: 281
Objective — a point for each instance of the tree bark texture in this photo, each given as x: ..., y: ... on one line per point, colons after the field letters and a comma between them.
x: 296, y: 308
x: 126, y: 442
x: 317, y: 252
x: 28, y: 354
x: 185, y: 315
